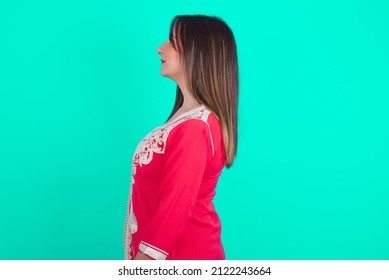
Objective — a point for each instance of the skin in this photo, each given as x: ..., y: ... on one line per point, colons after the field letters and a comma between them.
x: 175, y: 71
x: 141, y: 256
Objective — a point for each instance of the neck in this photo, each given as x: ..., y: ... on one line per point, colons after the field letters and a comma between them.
x: 189, y: 102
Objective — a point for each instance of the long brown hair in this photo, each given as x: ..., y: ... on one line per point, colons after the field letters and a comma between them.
x: 208, y: 49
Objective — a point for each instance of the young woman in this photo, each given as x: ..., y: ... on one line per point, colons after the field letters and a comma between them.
x: 175, y: 168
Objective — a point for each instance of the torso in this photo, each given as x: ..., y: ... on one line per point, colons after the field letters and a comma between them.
x: 200, y: 238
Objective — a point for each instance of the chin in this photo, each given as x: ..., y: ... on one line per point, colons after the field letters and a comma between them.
x: 165, y: 74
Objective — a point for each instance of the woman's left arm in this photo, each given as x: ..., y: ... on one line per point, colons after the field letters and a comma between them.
x: 187, y: 152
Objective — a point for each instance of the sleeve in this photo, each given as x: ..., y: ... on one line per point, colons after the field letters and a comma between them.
x: 187, y: 153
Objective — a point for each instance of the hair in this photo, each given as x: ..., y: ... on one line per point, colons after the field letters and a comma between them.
x: 207, y: 49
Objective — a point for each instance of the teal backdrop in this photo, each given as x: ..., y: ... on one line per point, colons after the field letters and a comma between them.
x: 80, y: 87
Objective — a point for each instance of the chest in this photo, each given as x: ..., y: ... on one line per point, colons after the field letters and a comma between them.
x: 176, y: 114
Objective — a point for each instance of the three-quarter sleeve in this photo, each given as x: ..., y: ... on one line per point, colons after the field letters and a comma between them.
x: 187, y: 153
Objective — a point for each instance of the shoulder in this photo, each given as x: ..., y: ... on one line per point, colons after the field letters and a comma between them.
x: 204, y: 120
x: 192, y: 131
x: 190, y: 128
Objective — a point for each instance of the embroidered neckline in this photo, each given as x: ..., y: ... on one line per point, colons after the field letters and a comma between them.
x: 185, y: 114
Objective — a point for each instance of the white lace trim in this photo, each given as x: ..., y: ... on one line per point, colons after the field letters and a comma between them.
x: 204, y: 117
x: 152, y: 251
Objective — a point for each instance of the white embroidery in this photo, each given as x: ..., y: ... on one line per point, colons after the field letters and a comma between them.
x: 153, y: 142
x: 152, y: 251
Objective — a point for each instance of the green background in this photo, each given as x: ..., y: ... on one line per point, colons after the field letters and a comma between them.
x: 80, y: 87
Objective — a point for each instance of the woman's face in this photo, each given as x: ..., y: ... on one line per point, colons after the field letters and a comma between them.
x: 170, y: 63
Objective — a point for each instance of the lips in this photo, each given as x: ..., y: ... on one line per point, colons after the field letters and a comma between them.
x: 163, y: 61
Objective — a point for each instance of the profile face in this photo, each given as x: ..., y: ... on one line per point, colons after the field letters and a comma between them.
x: 170, y: 60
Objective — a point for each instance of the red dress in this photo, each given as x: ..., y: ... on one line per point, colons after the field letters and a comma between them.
x: 175, y: 170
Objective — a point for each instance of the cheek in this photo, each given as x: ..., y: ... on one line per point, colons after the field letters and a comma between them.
x: 176, y: 58
x: 172, y: 57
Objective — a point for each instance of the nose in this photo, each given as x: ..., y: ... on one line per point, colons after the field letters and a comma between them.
x: 159, y: 50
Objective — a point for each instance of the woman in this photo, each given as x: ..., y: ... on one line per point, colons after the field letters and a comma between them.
x: 175, y: 168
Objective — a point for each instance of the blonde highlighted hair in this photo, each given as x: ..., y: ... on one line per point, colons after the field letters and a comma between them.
x: 208, y: 49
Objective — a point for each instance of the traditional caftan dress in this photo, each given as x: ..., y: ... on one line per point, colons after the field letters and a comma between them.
x: 175, y: 170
